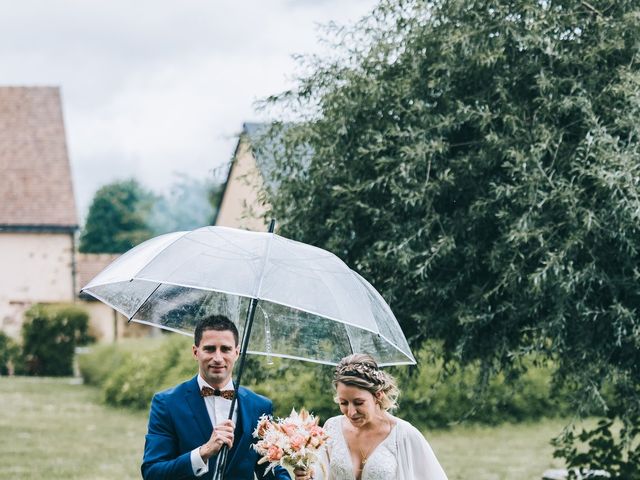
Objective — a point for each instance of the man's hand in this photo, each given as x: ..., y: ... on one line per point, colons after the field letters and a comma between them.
x: 222, y: 435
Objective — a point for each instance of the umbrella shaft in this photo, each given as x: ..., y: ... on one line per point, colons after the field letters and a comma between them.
x: 246, y: 334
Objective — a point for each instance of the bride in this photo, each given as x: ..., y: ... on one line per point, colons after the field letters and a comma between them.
x: 366, y: 441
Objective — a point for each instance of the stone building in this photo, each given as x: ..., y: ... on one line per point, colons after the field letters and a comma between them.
x: 37, y: 207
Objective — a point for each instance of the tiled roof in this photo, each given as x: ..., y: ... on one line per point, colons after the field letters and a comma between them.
x: 88, y: 265
x: 35, y: 175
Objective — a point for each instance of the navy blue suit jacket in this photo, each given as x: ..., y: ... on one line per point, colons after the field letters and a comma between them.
x: 179, y: 422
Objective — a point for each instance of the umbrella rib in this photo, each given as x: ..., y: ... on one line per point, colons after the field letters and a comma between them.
x: 257, y: 289
x: 145, y: 301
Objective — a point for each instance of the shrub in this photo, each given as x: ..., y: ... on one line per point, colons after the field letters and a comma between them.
x: 144, y: 371
x: 97, y: 365
x: 9, y: 354
x: 131, y: 372
x: 49, y: 336
x: 293, y: 384
x: 433, y: 397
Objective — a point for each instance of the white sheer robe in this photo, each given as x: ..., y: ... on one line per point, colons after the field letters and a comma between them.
x: 403, y: 455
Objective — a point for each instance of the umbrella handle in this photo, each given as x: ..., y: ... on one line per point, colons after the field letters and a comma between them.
x: 221, y: 463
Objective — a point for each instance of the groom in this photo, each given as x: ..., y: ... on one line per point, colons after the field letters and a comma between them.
x: 188, y: 424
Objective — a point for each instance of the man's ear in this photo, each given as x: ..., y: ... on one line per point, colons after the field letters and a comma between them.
x: 194, y: 350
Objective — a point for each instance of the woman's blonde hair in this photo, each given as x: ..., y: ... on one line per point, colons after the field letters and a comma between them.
x: 361, y: 370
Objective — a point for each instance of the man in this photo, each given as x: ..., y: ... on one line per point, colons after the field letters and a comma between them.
x: 188, y: 424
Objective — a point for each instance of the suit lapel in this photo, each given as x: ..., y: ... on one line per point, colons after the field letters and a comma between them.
x: 199, y: 409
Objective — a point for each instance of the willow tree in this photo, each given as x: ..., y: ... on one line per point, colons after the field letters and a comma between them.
x: 479, y: 162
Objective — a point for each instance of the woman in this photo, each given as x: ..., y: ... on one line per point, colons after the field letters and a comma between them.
x: 366, y: 442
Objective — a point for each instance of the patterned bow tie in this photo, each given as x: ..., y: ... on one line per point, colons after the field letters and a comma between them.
x: 208, y: 391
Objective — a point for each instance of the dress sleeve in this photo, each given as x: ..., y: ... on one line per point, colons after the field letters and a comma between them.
x: 416, y: 460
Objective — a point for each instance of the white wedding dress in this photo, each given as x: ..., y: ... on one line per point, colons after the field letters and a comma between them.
x: 403, y: 455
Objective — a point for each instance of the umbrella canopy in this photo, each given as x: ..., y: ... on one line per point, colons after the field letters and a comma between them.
x: 311, y: 305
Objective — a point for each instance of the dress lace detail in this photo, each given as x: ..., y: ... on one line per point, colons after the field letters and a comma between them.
x: 382, y: 463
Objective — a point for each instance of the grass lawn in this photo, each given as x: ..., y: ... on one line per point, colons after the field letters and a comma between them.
x: 507, y: 452
x: 56, y: 429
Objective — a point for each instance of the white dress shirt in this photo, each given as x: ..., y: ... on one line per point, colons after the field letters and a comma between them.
x: 218, y: 410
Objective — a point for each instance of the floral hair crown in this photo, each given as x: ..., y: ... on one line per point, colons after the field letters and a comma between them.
x: 361, y: 370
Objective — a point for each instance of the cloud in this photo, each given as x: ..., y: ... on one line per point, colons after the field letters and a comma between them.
x: 154, y: 87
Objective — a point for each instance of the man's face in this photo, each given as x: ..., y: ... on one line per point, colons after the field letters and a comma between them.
x: 216, y: 356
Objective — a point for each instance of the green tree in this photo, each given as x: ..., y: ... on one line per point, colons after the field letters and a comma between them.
x: 479, y: 162
x: 9, y: 355
x: 117, y: 218
x: 190, y: 203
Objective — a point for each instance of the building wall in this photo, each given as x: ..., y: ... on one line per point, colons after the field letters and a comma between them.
x: 240, y: 206
x: 107, y: 325
x: 36, y: 267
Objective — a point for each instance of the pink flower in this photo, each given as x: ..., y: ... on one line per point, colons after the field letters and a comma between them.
x: 289, y: 429
x: 275, y: 453
x: 292, y: 441
x: 262, y: 427
x: 315, y: 430
x: 297, y: 441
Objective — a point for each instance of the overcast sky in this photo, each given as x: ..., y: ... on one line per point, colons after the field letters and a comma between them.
x: 154, y: 87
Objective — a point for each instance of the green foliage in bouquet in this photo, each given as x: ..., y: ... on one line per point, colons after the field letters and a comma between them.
x: 50, y: 334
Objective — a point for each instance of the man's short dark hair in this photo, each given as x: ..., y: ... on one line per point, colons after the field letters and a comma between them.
x: 220, y: 323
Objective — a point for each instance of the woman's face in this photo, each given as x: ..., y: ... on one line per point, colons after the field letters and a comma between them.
x: 358, y: 405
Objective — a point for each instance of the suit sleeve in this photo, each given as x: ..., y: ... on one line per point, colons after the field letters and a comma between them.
x: 162, y: 459
x: 277, y: 473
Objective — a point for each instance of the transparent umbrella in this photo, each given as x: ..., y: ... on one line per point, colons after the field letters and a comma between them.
x: 311, y: 305
x: 289, y: 299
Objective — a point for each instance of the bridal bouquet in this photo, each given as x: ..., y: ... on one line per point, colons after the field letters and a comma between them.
x: 291, y: 442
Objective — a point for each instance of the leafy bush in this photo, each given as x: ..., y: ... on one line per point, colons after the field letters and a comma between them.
x: 131, y: 372
x: 144, y: 371
x: 49, y: 336
x: 293, y: 384
x: 96, y: 366
x: 601, y: 449
x: 611, y: 446
x: 9, y: 354
x: 433, y: 397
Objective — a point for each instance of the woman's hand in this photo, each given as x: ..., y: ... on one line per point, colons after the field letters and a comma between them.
x: 302, y: 474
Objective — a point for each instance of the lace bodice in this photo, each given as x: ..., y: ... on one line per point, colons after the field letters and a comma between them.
x: 381, y: 464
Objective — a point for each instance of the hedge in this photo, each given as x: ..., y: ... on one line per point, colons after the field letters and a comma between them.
x: 50, y: 334
x: 130, y: 372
